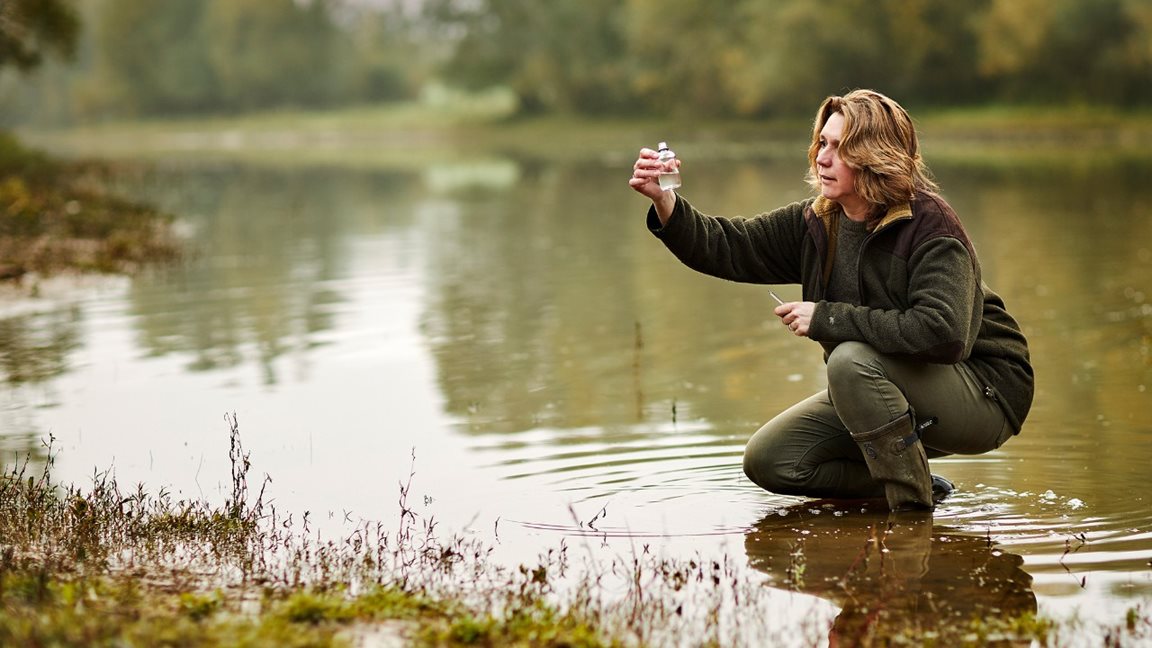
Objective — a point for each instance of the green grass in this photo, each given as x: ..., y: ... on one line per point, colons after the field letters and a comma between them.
x: 466, y: 129
x: 102, y: 566
x: 999, y: 117
x: 105, y: 566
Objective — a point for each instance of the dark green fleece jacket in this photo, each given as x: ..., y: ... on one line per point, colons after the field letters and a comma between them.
x: 920, y: 288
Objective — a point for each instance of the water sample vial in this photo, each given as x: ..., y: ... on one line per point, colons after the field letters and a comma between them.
x: 670, y: 176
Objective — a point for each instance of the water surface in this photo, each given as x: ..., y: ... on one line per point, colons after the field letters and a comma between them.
x: 508, y: 331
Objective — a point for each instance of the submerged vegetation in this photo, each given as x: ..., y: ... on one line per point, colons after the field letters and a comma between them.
x: 108, y: 566
x: 105, y: 565
x: 56, y: 217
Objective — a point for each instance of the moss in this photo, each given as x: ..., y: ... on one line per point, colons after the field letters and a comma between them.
x: 197, y: 606
x: 118, y: 611
x: 391, y: 602
x: 534, y: 624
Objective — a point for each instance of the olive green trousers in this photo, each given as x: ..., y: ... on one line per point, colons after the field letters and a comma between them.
x: 808, y: 449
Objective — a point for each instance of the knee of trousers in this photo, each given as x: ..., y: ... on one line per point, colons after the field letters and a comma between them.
x: 760, y: 468
x: 851, y: 365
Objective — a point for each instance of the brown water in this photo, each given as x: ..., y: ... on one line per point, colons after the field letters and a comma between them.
x: 508, y: 328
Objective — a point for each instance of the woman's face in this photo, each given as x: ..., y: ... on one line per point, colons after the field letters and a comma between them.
x: 837, y: 179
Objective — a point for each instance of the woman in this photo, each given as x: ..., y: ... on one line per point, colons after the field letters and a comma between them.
x: 922, y: 357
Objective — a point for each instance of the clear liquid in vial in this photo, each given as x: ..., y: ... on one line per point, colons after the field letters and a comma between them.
x: 670, y: 178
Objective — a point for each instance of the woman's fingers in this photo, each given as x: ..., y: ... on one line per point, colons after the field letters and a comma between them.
x: 645, y: 174
x: 796, y: 316
x: 645, y: 180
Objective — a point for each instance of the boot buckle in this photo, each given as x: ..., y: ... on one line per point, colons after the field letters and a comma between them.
x: 903, y: 443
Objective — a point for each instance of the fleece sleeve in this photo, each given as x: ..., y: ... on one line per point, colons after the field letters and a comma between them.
x: 764, y: 249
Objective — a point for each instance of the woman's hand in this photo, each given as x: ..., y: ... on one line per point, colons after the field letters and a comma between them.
x: 646, y: 181
x: 797, y: 316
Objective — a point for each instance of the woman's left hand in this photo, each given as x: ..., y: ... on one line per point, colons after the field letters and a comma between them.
x: 797, y: 316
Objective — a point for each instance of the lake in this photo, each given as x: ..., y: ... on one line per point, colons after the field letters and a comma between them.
x: 502, y: 327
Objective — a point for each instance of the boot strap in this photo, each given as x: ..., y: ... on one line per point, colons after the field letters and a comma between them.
x: 912, y: 438
x: 906, y: 442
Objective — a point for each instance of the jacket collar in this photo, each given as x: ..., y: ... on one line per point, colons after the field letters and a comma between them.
x: 825, y: 225
x: 900, y: 212
x: 826, y: 211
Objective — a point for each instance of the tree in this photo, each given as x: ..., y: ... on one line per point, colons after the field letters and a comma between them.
x: 679, y: 68
x: 1068, y: 50
x: 563, y: 55
x: 275, y: 52
x: 152, y: 57
x: 210, y: 56
x: 31, y: 28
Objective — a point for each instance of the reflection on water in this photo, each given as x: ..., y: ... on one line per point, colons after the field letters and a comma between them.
x: 553, y: 368
x: 269, y: 249
x: 34, y: 348
x: 889, y: 572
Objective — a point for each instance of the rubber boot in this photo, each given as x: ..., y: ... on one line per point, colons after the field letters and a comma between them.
x: 896, y: 458
x: 941, y: 487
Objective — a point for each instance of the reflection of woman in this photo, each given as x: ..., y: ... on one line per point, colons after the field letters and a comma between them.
x: 891, y: 289
x: 890, y: 575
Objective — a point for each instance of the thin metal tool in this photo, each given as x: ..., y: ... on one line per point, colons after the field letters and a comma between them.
x: 776, y: 297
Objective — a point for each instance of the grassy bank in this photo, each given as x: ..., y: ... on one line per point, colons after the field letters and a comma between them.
x: 105, y: 565
x: 412, y: 135
x: 56, y: 217
x: 109, y: 566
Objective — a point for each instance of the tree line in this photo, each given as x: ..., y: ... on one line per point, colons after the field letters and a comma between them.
x: 741, y: 58
x: 755, y: 58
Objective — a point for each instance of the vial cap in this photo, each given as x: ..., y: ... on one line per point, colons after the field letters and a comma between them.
x: 663, y: 146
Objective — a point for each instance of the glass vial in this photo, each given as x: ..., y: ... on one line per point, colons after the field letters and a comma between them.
x: 670, y: 176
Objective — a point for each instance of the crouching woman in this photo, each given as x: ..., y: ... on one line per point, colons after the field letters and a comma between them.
x: 923, y: 358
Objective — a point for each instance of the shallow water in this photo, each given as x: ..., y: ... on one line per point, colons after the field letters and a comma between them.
x: 508, y: 331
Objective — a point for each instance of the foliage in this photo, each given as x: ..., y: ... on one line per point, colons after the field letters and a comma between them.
x: 31, y: 28
x: 158, y: 61
x: 194, y: 56
x: 567, y: 56
x: 55, y: 217
x: 749, y: 58
x: 743, y: 58
x: 185, y: 57
x: 249, y: 34
x: 1069, y: 50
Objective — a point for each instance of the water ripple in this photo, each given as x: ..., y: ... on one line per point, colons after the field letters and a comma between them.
x: 660, y: 481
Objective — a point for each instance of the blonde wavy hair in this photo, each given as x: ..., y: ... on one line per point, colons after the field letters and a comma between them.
x: 879, y: 142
